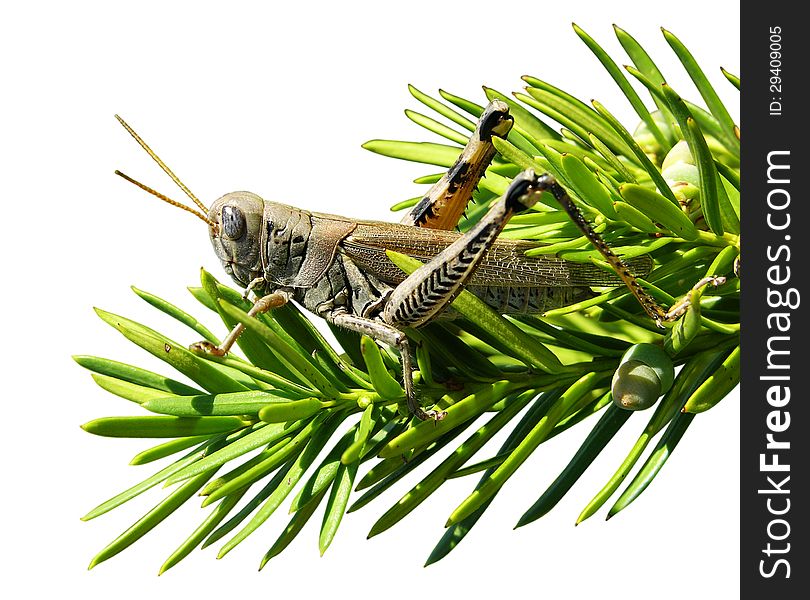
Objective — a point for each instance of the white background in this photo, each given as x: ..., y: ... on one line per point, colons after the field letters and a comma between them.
x: 278, y: 101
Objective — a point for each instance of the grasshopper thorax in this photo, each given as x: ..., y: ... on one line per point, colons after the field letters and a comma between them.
x: 236, y: 233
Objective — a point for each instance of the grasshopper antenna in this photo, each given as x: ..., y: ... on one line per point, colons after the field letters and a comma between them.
x: 166, y: 199
x: 163, y: 166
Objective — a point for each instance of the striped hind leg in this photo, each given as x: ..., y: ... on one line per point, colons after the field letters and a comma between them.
x: 659, y: 314
x: 431, y: 288
x: 445, y: 202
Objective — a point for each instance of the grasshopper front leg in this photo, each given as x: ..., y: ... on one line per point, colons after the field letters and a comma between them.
x: 262, y: 305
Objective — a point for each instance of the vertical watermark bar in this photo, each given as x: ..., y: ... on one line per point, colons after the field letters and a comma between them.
x: 775, y: 423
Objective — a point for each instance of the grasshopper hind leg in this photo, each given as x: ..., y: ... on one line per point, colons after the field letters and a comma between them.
x: 656, y: 312
x: 429, y: 290
x: 443, y: 205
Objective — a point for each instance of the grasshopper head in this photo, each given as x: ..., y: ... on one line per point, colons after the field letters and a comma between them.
x: 235, y: 230
x: 241, y: 226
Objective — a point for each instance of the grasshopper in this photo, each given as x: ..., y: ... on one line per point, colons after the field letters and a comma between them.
x: 338, y: 268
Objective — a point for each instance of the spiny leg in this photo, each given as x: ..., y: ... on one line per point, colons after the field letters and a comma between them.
x: 262, y: 305
x: 429, y: 290
x: 445, y: 202
x: 648, y: 303
x: 392, y: 336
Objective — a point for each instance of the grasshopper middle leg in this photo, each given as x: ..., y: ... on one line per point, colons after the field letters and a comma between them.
x: 387, y: 334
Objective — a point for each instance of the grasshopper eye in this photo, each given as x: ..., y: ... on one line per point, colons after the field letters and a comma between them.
x: 233, y: 222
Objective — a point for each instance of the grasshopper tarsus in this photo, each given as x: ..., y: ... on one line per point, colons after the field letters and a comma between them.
x: 679, y: 309
x: 430, y: 415
x: 206, y: 347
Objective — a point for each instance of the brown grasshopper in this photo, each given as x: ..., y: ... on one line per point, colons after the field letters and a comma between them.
x: 338, y: 268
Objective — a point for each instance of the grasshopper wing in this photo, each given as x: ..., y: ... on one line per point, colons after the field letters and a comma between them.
x: 505, y: 264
